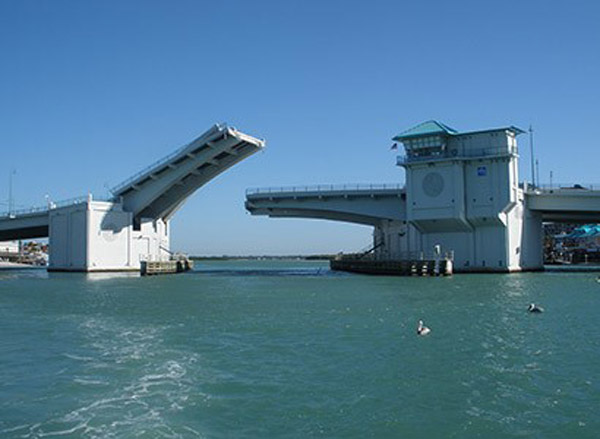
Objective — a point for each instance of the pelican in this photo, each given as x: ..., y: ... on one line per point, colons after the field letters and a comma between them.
x: 533, y: 308
x: 422, y: 330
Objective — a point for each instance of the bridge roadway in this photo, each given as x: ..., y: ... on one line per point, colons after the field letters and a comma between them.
x: 361, y: 204
x: 565, y: 205
x: 24, y: 226
x: 159, y: 190
x: 372, y: 204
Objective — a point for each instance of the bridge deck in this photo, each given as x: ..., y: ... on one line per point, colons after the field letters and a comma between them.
x: 158, y: 191
x: 24, y: 226
x: 566, y: 204
x: 361, y: 204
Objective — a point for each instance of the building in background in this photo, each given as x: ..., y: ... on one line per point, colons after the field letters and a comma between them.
x: 9, y: 248
x: 580, y: 244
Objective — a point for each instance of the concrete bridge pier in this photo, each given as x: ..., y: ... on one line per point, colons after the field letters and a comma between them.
x: 100, y: 236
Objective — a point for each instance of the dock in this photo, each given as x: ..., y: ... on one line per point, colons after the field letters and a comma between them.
x: 413, y: 267
x: 151, y: 268
x: 4, y: 265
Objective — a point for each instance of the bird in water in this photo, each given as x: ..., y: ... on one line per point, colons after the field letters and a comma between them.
x: 534, y: 308
x: 422, y: 330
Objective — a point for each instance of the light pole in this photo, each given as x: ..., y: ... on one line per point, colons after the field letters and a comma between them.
x: 532, y: 156
x: 10, y: 191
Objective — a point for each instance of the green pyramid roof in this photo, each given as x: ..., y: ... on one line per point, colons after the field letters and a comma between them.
x: 426, y: 129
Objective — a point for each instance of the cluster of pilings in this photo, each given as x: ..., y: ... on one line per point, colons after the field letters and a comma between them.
x: 150, y: 268
x: 414, y: 267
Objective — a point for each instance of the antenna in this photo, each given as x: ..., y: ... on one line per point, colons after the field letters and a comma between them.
x: 532, y: 156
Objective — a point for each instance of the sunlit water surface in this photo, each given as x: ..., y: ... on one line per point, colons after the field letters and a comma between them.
x: 290, y: 349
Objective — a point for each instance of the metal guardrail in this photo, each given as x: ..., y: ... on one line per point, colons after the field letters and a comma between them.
x: 323, y: 187
x: 50, y: 205
x: 571, y: 187
x: 163, y: 161
x: 456, y: 154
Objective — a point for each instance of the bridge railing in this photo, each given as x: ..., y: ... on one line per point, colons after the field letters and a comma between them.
x: 324, y: 187
x: 571, y: 187
x: 163, y: 161
x: 50, y: 205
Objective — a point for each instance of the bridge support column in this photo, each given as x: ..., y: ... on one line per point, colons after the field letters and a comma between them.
x: 390, y: 240
x: 532, y: 257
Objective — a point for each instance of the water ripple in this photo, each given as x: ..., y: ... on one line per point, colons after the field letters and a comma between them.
x: 290, y: 351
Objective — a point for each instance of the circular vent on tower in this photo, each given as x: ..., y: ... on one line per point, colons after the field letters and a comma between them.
x: 433, y: 184
x: 109, y: 232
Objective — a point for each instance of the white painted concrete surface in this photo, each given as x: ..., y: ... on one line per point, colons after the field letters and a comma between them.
x: 101, y: 236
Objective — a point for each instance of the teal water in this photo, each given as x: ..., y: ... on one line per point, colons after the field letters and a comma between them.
x: 292, y: 350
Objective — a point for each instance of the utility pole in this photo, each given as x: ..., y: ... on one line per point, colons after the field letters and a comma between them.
x: 10, y: 191
x: 532, y: 156
x: 551, y: 179
x: 537, y: 169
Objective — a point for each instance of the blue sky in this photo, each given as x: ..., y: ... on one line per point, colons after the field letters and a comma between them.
x: 93, y: 91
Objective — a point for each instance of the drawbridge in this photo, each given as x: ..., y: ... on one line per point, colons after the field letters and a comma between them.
x: 89, y: 234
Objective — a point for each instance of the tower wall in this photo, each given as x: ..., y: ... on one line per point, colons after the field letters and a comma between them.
x: 100, y: 236
x: 463, y: 194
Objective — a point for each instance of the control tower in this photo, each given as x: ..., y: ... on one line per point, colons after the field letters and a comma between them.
x: 463, y: 194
